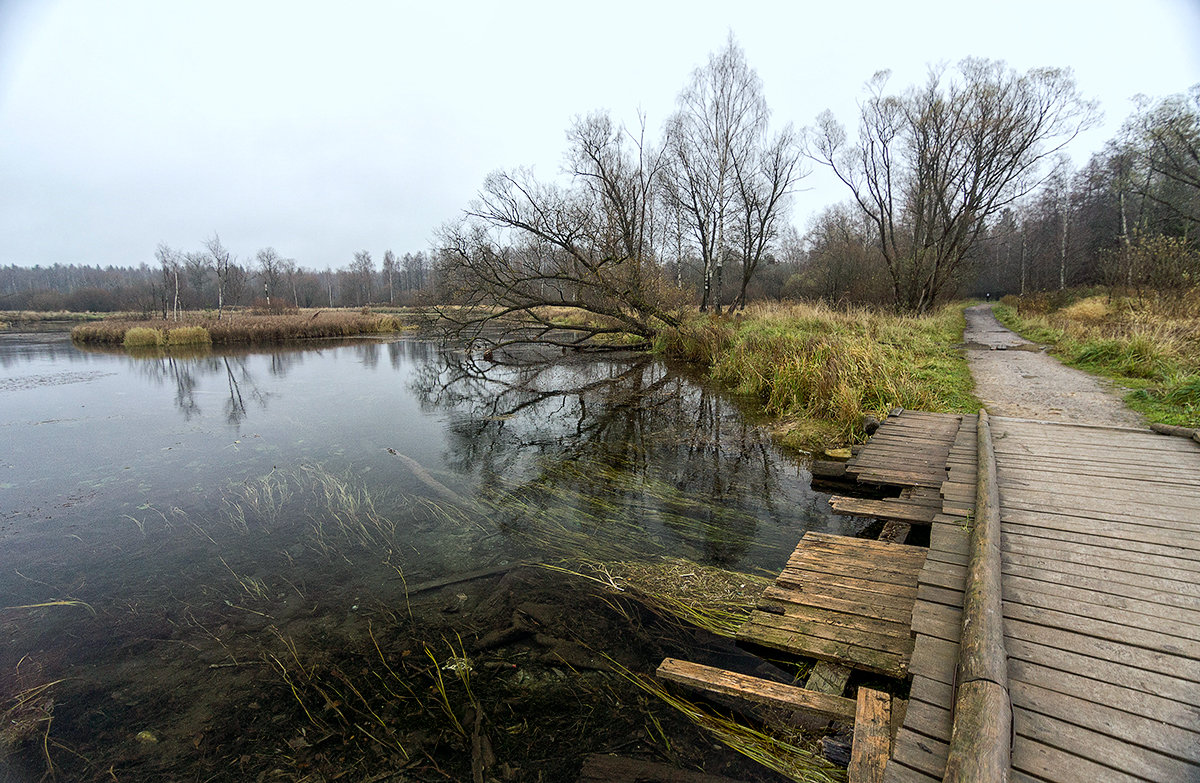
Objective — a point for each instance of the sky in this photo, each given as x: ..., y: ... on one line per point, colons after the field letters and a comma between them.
x: 325, y: 128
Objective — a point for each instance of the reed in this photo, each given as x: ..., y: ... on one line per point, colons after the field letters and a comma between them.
x: 135, y: 337
x: 239, y: 328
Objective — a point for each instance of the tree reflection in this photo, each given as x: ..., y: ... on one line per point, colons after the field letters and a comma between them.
x: 620, y: 442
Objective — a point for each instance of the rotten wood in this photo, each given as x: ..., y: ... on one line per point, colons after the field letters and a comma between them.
x: 872, y: 736
x: 708, y: 679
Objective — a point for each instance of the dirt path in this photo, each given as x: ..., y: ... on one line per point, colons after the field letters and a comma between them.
x: 1014, y: 378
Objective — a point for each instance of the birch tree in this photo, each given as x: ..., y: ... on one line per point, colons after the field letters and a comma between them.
x: 720, y: 120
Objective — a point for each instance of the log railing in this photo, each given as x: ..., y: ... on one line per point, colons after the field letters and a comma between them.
x: 981, y: 739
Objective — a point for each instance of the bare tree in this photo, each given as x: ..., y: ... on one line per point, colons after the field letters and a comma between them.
x: 525, y: 246
x: 931, y: 165
x: 721, y: 118
x: 171, y: 267
x: 270, y: 270
x: 763, y: 181
x: 362, y: 271
x: 221, y: 261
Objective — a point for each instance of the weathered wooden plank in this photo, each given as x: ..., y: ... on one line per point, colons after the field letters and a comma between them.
x: 870, y: 659
x: 898, y: 509
x: 1117, y: 753
x: 1181, y: 668
x: 1100, y: 584
x: 827, y: 677
x: 1130, y: 613
x: 844, y: 628
x: 1103, y: 719
x: 872, y: 736
x: 935, y: 658
x: 1034, y: 761
x: 1120, y: 633
x: 1145, y: 681
x: 859, y: 603
x: 1158, y: 507
x: 801, y: 578
x: 1017, y: 472
x: 1075, y: 523
x: 883, y: 573
x: 851, y: 544
x: 898, y: 773
x: 1165, y: 584
x: 1103, y: 552
x: 709, y: 679
x: 1150, y: 706
x: 838, y: 622
x: 1106, y: 558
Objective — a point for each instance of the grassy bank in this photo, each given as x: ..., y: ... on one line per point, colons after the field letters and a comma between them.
x: 1148, y: 345
x: 234, y: 328
x: 819, y: 370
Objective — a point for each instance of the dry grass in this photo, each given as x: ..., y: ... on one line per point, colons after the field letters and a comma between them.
x: 819, y: 370
x: 238, y: 328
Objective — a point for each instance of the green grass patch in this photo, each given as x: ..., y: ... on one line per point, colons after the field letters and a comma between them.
x: 1149, y: 346
x: 819, y: 370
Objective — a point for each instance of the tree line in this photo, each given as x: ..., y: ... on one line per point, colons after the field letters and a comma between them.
x: 212, y: 277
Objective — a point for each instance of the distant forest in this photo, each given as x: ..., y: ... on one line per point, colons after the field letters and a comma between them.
x: 957, y: 186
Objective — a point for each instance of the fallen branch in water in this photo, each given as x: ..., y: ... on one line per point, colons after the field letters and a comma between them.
x: 425, y: 478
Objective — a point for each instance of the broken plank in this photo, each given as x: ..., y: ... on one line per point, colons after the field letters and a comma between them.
x: 710, y: 679
x: 872, y: 736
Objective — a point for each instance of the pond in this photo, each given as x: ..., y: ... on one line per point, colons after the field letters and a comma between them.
x: 375, y: 560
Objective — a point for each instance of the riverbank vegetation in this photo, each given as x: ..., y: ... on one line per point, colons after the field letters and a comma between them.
x: 819, y: 370
x: 1148, y: 344
x: 202, y: 328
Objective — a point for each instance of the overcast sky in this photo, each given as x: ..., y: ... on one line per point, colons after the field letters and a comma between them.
x: 321, y: 129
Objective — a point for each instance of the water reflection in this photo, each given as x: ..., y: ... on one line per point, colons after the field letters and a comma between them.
x: 623, y: 441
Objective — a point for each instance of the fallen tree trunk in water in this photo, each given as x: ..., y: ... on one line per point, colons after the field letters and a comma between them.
x: 427, y: 479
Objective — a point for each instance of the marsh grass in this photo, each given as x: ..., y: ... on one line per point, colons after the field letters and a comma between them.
x: 779, y: 747
x: 819, y: 370
x: 138, y: 337
x: 1149, y: 345
x: 237, y: 328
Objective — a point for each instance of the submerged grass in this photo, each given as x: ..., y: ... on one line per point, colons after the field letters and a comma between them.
x: 820, y: 370
x: 203, y: 328
x: 780, y: 748
x: 1149, y: 346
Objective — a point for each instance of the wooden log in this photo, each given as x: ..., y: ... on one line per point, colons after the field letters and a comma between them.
x: 709, y: 679
x: 1171, y: 429
x: 980, y: 744
x: 872, y: 737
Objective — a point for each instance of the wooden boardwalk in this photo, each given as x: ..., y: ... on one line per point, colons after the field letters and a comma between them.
x: 1100, y: 563
x: 844, y: 600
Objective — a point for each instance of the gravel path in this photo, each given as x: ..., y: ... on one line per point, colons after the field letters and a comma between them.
x: 1014, y: 378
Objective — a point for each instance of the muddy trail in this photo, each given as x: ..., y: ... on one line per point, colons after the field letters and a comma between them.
x: 1014, y: 377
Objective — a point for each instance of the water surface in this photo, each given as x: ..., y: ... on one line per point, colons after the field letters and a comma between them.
x: 225, y: 565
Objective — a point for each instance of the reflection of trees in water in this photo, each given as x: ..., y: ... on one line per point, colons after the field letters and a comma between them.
x: 628, y: 442
x: 233, y: 370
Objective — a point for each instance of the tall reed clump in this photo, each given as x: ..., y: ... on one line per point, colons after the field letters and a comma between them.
x: 140, y: 337
x: 820, y: 369
x: 1150, y: 345
x: 189, y: 335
